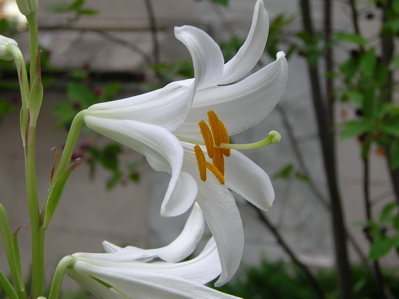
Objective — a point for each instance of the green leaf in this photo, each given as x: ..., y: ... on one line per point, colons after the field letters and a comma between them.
x: 379, y: 248
x: 356, y: 128
x: 114, y: 180
x: 110, y: 91
x: 80, y: 93
x: 381, y: 74
x: 356, y: 97
x: 88, y: 12
x: 76, y: 5
x: 302, y: 177
x: 351, y: 37
x: 285, y: 173
x: 368, y: 63
x: 135, y: 177
x: 6, y: 286
x: 221, y: 2
x: 385, y: 217
x: 349, y: 67
x: 394, y: 64
x: 395, y: 222
x: 109, y: 156
x: 394, y: 154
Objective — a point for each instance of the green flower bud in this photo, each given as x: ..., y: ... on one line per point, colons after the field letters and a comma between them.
x: 26, y: 7
x: 5, y: 43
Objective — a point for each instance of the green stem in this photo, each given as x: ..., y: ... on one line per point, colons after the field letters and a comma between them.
x: 70, y: 144
x: 63, y: 265
x: 38, y: 235
x: 33, y: 44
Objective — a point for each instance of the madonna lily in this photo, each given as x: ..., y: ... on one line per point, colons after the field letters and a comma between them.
x: 164, y: 126
x: 231, y: 105
x: 131, y: 272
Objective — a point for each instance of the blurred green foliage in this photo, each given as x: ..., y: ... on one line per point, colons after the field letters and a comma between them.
x: 279, y: 280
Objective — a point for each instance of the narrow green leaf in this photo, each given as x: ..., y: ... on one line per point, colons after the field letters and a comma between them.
x: 285, y: 173
x: 55, y: 194
x: 302, y: 177
x: 351, y: 37
x: 6, y: 286
x: 356, y: 128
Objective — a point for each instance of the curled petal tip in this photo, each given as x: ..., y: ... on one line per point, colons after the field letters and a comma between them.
x: 280, y: 54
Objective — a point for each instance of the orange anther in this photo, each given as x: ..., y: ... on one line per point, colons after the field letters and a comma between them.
x: 199, y: 155
x: 216, y: 172
x: 224, y: 135
x: 215, y: 126
x: 207, y: 135
x: 218, y: 159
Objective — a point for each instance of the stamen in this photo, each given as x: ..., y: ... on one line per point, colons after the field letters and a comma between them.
x: 207, y: 135
x: 218, y: 160
x: 215, y: 127
x: 216, y: 172
x: 199, y: 155
x: 273, y: 138
x: 224, y: 138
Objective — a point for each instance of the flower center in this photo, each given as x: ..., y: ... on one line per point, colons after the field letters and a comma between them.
x: 214, y: 135
x: 217, y: 143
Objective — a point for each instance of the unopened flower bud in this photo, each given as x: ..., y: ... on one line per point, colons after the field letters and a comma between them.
x: 5, y: 43
x: 26, y: 7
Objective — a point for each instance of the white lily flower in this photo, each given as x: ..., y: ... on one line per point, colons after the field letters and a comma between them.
x: 163, y: 125
x: 239, y: 105
x: 131, y: 272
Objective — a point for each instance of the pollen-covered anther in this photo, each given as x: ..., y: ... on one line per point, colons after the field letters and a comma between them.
x: 207, y: 135
x: 224, y: 138
x: 216, y: 172
x: 201, y: 161
x: 215, y: 127
x: 218, y: 159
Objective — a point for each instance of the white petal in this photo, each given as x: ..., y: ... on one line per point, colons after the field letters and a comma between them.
x: 110, y: 248
x: 246, y: 178
x: 252, y: 49
x: 142, y: 285
x: 165, y: 107
x: 224, y: 221
x: 186, y: 242
x: 152, y: 280
x: 162, y: 149
x: 240, y: 105
x: 176, y: 251
x: 207, y: 58
x: 182, y: 197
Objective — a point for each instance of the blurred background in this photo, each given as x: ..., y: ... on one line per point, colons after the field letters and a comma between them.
x: 346, y: 153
